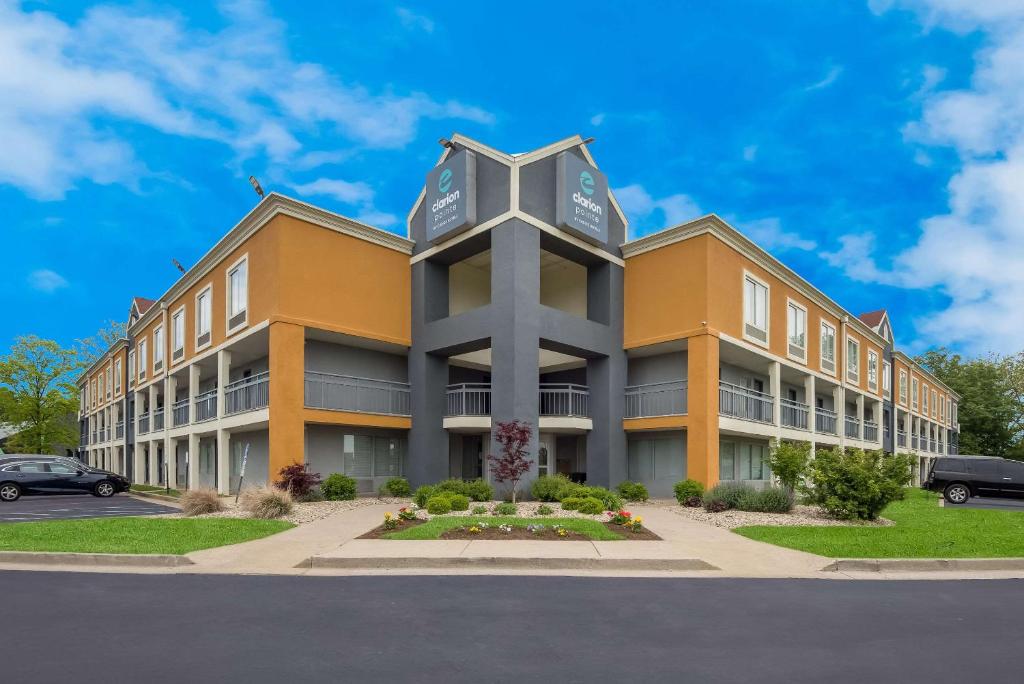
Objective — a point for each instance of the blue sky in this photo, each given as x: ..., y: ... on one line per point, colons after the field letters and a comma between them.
x: 877, y: 148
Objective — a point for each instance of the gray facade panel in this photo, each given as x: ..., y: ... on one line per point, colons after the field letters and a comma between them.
x: 339, y: 359
x: 647, y: 370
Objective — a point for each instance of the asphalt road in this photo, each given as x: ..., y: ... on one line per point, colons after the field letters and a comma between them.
x: 86, y: 628
x: 993, y: 504
x: 73, y: 506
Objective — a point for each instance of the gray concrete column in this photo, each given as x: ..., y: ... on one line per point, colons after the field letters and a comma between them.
x: 775, y: 388
x: 223, y: 462
x: 860, y: 416
x: 154, y: 466
x: 810, y: 398
x: 223, y: 378
x: 139, y: 466
x: 839, y: 401
x: 193, y: 460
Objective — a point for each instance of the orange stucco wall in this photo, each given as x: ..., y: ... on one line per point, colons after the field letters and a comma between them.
x: 287, y: 362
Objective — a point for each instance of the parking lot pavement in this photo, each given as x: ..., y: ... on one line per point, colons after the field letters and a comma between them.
x: 993, y: 504
x: 72, y: 507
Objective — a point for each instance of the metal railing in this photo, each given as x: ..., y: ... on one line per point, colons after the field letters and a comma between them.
x: 852, y: 427
x: 656, y: 399
x: 247, y: 394
x: 743, y: 403
x: 913, y: 441
x: 179, y: 412
x: 362, y: 395
x: 901, y: 438
x: 870, y: 431
x: 825, y: 421
x: 794, y: 414
x: 564, y: 399
x: 205, y: 406
x: 143, y: 423
x: 119, y: 429
x: 468, y: 399
x: 158, y: 419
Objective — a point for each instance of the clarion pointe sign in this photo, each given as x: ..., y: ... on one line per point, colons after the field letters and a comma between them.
x: 451, y: 197
x: 581, y: 199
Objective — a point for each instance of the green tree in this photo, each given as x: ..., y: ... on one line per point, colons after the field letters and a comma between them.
x: 991, y: 409
x: 38, y: 395
x: 92, y: 348
x: 788, y: 462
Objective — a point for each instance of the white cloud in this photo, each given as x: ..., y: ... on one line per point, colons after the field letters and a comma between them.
x: 64, y: 83
x: 973, y: 252
x: 358, y: 194
x: 412, y: 20
x: 831, y: 77
x: 638, y: 205
x: 769, y: 234
x: 46, y: 280
x: 597, y: 119
x: 750, y: 153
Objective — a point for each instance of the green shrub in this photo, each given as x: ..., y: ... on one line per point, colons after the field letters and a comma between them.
x: 547, y: 487
x: 397, y: 486
x: 687, y: 490
x: 633, y: 491
x: 591, y: 506
x: 774, y: 500
x: 338, y: 487
x: 266, y: 502
x: 788, y: 462
x: 857, y: 484
x: 477, y: 490
x: 439, y: 504
x: 422, y: 494
x: 505, y: 508
x: 458, y: 502
x: 544, y: 509
x: 572, y: 489
x: 480, y: 510
x: 571, y: 503
x: 610, y: 500
x: 729, y: 494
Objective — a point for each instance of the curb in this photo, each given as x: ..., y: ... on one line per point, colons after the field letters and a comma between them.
x: 158, y: 497
x: 104, y: 559
x: 924, y: 564
x: 384, y: 563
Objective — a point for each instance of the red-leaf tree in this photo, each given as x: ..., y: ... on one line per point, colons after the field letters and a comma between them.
x: 511, y: 464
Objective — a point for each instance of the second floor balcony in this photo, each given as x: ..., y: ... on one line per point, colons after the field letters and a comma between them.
x: 794, y: 414
x: 870, y: 431
x: 205, y: 406
x: 361, y: 395
x: 825, y: 421
x: 852, y: 427
x: 119, y: 430
x: 567, y: 400
x: 143, y: 423
x: 744, y: 403
x: 158, y: 419
x: 901, y: 438
x: 247, y: 394
x: 179, y: 412
x: 656, y: 399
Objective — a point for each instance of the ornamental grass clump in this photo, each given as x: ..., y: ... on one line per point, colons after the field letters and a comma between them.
x: 726, y: 495
x: 266, y: 503
x: 200, y: 502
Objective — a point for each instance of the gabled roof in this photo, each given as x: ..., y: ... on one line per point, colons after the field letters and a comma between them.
x: 142, y: 304
x: 873, y: 319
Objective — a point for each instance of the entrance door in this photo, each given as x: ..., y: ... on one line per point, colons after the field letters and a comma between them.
x: 546, y: 450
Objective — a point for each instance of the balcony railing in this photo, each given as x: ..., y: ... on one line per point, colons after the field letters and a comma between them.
x: 179, y: 412
x: 825, y: 421
x: 143, y: 423
x: 870, y: 431
x: 656, y: 399
x: 794, y: 414
x: 564, y: 399
x: 362, y: 395
x: 119, y: 430
x: 743, y: 403
x: 247, y: 394
x: 901, y: 438
x: 158, y: 419
x: 468, y: 399
x: 852, y: 427
x: 206, y: 406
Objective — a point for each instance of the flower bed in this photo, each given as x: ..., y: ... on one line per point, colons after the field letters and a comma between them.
x: 509, y: 528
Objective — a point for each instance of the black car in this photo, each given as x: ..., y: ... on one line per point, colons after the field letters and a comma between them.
x: 961, y: 477
x: 31, y: 474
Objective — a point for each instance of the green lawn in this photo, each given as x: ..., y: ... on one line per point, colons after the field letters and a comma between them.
x: 922, y: 530
x: 154, y: 490
x: 436, y: 526
x: 134, y: 535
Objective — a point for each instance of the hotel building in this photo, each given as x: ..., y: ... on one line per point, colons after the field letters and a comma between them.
x: 305, y: 336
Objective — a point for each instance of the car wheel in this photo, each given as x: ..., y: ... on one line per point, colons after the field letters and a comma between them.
x: 10, y: 492
x: 957, y: 493
x: 104, y: 489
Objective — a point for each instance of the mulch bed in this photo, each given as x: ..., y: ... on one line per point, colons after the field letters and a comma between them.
x: 492, y: 532
x: 379, y: 531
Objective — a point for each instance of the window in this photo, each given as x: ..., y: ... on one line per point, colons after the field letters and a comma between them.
x: 872, y: 370
x: 887, y: 379
x: 828, y: 347
x: 797, y: 324
x: 935, y: 401
x: 110, y: 380
x: 101, y: 389
x: 743, y: 461
x: 727, y: 461
x: 204, y: 309
x: 238, y: 294
x: 131, y: 367
x: 913, y: 393
x: 924, y: 399
x: 178, y: 335
x: 903, y: 387
x: 955, y: 416
x: 942, y: 410
x: 117, y: 376
x: 949, y: 409
x: 158, y: 348
x: 852, y: 360
x: 92, y: 393
x: 755, y: 310
x: 143, y: 360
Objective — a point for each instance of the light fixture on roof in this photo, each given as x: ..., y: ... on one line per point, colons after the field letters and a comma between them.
x: 589, y: 140
x: 445, y: 142
x: 256, y: 186
x: 177, y: 264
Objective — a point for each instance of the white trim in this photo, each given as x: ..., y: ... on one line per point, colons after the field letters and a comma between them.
x: 142, y: 359
x: 790, y: 302
x: 229, y: 295
x: 153, y: 335
x: 872, y: 353
x: 179, y: 310
x: 208, y: 289
x: 886, y: 378
x: 767, y: 310
x: 835, y: 348
x: 903, y: 388
x: 118, y: 386
x: 846, y: 359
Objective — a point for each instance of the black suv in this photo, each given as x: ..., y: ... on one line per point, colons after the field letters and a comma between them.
x: 961, y: 477
x: 31, y: 474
